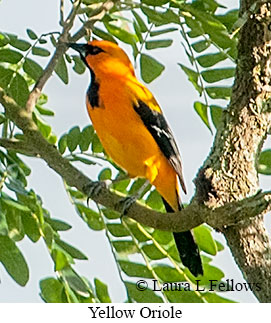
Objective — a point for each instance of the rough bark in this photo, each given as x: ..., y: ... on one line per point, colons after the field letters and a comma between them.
x: 229, y: 174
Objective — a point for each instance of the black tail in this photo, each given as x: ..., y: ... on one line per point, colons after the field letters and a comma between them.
x: 187, y: 248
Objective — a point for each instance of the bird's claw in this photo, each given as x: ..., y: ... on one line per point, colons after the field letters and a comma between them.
x: 93, y: 189
x: 125, y: 204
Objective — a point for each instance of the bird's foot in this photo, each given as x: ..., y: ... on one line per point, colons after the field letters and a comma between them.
x: 125, y: 203
x: 93, y: 189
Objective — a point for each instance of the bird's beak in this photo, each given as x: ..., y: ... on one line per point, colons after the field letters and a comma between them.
x: 80, y: 48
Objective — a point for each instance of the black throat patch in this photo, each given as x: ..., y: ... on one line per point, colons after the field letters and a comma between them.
x: 93, y: 91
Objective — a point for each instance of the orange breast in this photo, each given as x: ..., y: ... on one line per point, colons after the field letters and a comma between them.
x: 128, y: 142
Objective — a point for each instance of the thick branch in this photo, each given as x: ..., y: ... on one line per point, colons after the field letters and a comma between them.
x: 229, y: 174
x: 19, y: 146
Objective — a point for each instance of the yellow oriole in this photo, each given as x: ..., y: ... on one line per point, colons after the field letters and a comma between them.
x: 134, y: 132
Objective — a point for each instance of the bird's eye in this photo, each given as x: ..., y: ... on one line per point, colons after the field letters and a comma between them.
x: 94, y: 50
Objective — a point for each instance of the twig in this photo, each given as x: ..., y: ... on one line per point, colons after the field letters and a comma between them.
x: 60, y: 50
x: 97, y: 15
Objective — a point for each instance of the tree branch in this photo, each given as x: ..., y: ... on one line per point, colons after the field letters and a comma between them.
x: 229, y: 173
x: 192, y: 216
x: 97, y: 15
x: 19, y: 146
x: 61, y: 48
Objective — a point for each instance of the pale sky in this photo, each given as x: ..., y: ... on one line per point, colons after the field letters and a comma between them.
x: 175, y: 95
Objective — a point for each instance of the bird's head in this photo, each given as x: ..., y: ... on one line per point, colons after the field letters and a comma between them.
x: 102, y: 55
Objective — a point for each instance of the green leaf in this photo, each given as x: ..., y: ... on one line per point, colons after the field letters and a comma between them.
x: 31, y: 226
x: 153, y: 252
x: 79, y: 67
x: 155, y: 201
x: 150, y: 68
x: 121, y: 185
x: 183, y: 297
x: 219, y: 246
x: 140, y: 22
x: 216, y: 115
x: 169, y: 274
x: 201, y: 46
x: 86, y: 137
x: 61, y: 258
x: 10, y: 56
x: 103, y: 35
x: 209, y: 60
x: 110, y: 214
x: 43, y: 111
x: 42, y: 41
x: 75, y: 282
x: 105, y: 174
x: 20, y: 44
x: 5, y: 77
x: 193, y: 77
x: 15, y: 225
x: 155, y: 2
x: 138, y: 33
x: 74, y: 252
x: 162, y: 237
x: 214, y: 298
x: 201, y: 110
x: 32, y: 68
x: 117, y: 230
x: 218, y: 74
x: 137, y: 232
x: 96, y: 144
x: 93, y: 219
x: 195, y: 26
x: 58, y: 225
x: 102, y: 291
x: 51, y: 290
x: 44, y: 128
x: 229, y: 18
x: 62, y: 144
x: 73, y: 138
x: 3, y: 223
x: 121, y: 34
x: 162, y: 31
x: 136, y: 185
x: 13, y: 261
x: 42, y: 99
x: 219, y: 92
x: 153, y: 44
x: 62, y: 71
x: 133, y: 269
x: 13, y: 204
x: 48, y: 234
x: 205, y: 240
x: 160, y: 17
x: 39, y: 51
x: 18, y: 89
x: 125, y: 247
x: 52, y: 139
x: 31, y: 34
x: 213, y: 27
x: 264, y: 162
x: 4, y: 39
x: 139, y: 296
